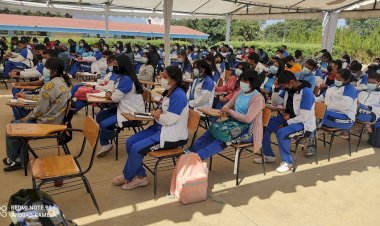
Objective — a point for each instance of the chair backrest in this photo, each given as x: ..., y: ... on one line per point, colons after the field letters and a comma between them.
x: 193, y: 123
x: 146, y: 95
x: 316, y: 90
x: 91, y: 131
x: 319, y: 109
x: 267, y: 113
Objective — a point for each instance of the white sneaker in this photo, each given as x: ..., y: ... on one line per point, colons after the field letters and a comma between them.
x: 284, y: 167
x: 104, y: 150
x: 258, y: 160
x: 70, y: 76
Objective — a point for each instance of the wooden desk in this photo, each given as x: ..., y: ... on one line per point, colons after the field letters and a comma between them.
x: 97, y: 100
x: 33, y: 130
x: 211, y: 112
x: 155, y: 96
x: 131, y: 117
x: 149, y: 83
x: 274, y: 108
x: 26, y: 87
x: 18, y: 104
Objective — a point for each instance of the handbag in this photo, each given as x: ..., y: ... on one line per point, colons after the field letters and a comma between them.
x: 228, y: 130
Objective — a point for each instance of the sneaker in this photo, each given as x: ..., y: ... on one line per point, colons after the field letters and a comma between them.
x: 104, y: 150
x: 7, y: 161
x: 70, y: 76
x: 136, y: 182
x: 119, y: 180
x: 284, y: 167
x: 344, y: 135
x: 310, y: 151
x: 13, y: 166
x: 267, y: 159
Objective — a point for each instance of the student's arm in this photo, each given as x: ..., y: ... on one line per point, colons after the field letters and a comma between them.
x: 256, y: 105
x: 307, y: 102
x: 125, y: 86
x: 346, y: 101
x: 176, y: 105
x: 206, y: 94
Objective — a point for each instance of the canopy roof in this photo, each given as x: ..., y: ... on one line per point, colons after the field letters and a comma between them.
x: 242, y: 9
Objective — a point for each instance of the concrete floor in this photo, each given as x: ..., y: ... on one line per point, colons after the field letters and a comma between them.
x: 344, y: 191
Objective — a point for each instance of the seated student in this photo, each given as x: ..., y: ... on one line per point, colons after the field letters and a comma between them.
x: 246, y: 107
x: 184, y: 65
x: 273, y: 71
x: 291, y: 65
x: 298, y: 119
x: 91, y: 56
x: 105, y: 84
x: 22, y: 60
x: 360, y: 78
x: 215, y: 73
x: 168, y: 131
x: 127, y: 93
x: 51, y: 109
x: 231, y: 87
x: 64, y: 54
x: 332, y: 70
x: 308, y: 72
x: 340, y: 100
x: 146, y: 71
x: 369, y: 102
x: 201, y: 92
x: 99, y: 67
x: 254, y: 61
x: 220, y: 65
x: 346, y: 59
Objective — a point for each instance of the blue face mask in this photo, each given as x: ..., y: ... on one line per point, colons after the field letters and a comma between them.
x: 244, y: 87
x: 46, y: 74
x: 273, y: 69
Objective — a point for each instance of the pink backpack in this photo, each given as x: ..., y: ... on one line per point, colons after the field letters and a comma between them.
x: 189, y: 180
x: 81, y: 93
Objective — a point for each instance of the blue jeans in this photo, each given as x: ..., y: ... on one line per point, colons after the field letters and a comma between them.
x: 10, y: 65
x: 137, y: 145
x: 107, y: 121
x: 74, y: 68
x: 207, y: 146
x: 283, y: 135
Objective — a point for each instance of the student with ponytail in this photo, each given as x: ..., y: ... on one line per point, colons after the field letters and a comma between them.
x: 168, y: 131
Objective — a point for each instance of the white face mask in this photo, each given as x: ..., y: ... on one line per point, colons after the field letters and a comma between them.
x: 164, y: 84
x: 238, y: 72
x: 110, y: 68
x: 81, y: 44
x: 338, y: 83
x: 125, y: 49
x: 144, y: 60
x: 46, y: 74
x: 244, y: 87
x: 196, y: 73
x: 114, y: 49
x: 95, y: 49
x: 371, y: 86
x: 136, y: 50
x: 196, y: 49
x: 175, y: 47
x: 105, y: 48
x: 305, y: 71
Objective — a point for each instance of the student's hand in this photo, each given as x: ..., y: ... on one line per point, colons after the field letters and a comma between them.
x: 21, y: 83
x: 20, y: 95
x: 13, y: 73
x: 23, y: 120
x: 226, y: 110
x: 286, y: 116
x: 156, y: 114
x: 109, y: 95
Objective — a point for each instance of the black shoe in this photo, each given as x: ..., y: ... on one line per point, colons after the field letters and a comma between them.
x: 7, y: 161
x: 310, y: 151
x: 14, y: 166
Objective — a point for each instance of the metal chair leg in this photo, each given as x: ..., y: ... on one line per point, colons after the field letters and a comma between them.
x: 91, y: 193
x: 238, y: 165
x: 263, y: 161
x: 210, y: 164
x: 324, y: 139
x: 349, y: 143
x: 295, y: 156
x: 155, y: 178
x: 316, y: 148
x: 360, y: 137
x: 117, y: 145
x: 331, y: 142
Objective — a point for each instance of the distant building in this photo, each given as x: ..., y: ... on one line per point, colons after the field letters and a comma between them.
x: 58, y: 27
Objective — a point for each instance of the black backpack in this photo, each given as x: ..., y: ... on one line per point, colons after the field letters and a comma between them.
x: 29, y: 206
x: 374, y: 137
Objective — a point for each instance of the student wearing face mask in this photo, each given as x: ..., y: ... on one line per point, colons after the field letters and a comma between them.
x: 22, y: 60
x: 341, y: 101
x: 201, y: 92
x: 220, y: 65
x: 254, y: 61
x: 146, y: 70
x: 369, y: 103
x: 333, y: 68
x: 298, y: 120
x: 326, y: 59
x: 204, y: 52
x: 175, y: 49
x: 126, y: 91
x: 184, y: 65
x: 245, y: 110
x: 91, y: 56
x: 276, y: 68
x: 308, y: 73
x: 215, y: 73
x: 51, y: 108
x: 168, y: 131
x: 119, y: 47
x: 360, y: 78
x: 80, y: 49
x: 346, y: 61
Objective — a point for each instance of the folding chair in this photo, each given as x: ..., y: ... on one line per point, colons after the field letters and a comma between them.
x: 240, y: 147
x: 162, y: 154
x: 49, y: 169
x: 360, y: 132
x: 135, y: 125
x: 332, y: 132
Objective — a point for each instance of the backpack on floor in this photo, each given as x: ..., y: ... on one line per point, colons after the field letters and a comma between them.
x: 190, y: 179
x: 34, y: 207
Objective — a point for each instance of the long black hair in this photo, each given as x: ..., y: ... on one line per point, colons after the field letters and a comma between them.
x: 125, y: 68
x: 211, y: 59
x: 186, y: 62
x: 203, y: 64
x: 57, y: 67
x: 176, y: 74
